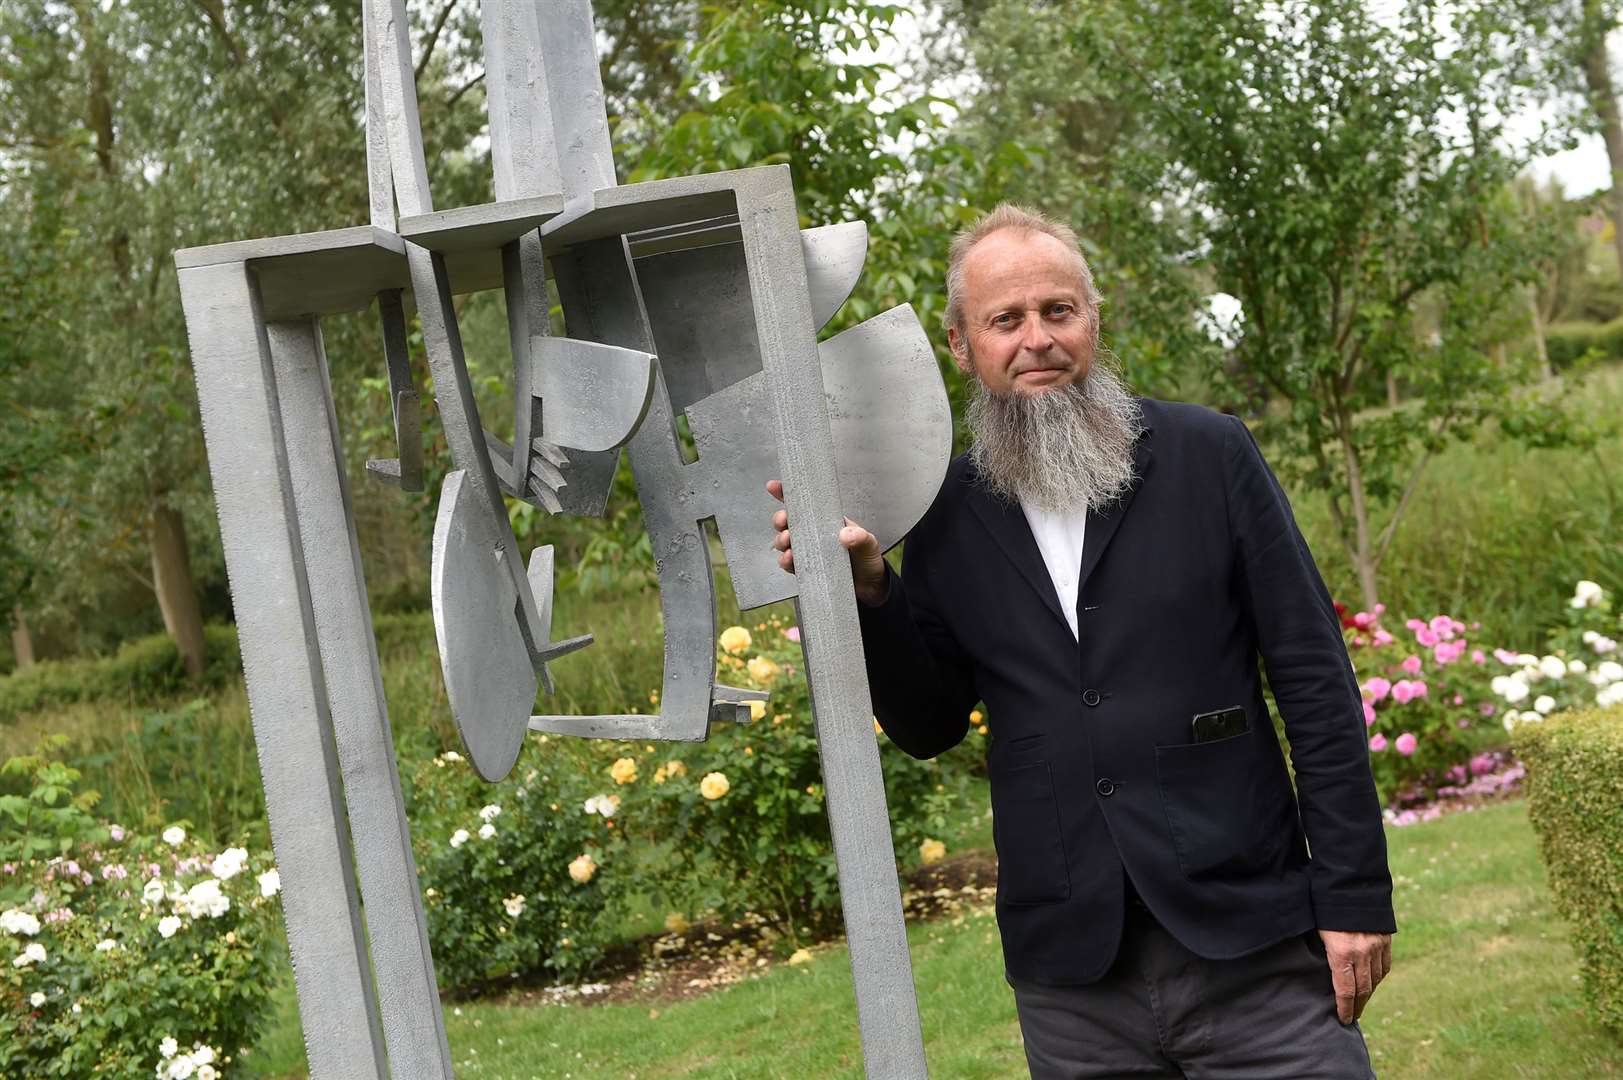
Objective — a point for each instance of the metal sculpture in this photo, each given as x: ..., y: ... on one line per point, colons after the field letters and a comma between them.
x: 697, y: 295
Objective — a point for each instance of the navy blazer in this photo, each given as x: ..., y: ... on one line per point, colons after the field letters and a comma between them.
x: 1190, y: 578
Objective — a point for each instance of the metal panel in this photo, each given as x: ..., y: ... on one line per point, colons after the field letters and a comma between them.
x: 408, y: 998
x: 887, y: 1011
x: 287, y: 693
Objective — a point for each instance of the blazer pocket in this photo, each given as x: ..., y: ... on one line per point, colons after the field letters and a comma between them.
x: 1218, y: 808
x: 1031, y: 866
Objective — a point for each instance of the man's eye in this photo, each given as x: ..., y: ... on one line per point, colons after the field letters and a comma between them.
x: 1060, y: 311
x: 1003, y: 320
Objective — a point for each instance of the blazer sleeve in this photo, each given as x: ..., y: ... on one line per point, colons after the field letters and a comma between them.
x: 919, y: 675
x: 1316, y: 689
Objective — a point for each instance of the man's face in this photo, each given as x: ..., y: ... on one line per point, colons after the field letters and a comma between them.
x: 1027, y: 323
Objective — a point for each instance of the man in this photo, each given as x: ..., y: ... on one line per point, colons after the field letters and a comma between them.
x: 1105, y: 572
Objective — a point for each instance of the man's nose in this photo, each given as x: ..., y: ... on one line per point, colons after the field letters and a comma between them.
x: 1037, y: 338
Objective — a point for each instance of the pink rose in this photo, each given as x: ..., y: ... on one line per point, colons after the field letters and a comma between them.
x: 1481, y: 765
x: 1415, y: 624
x: 1377, y: 743
x: 1459, y: 699
x: 1412, y: 665
x: 1477, y: 657
x: 1405, y: 744
x: 1363, y: 619
x: 1369, y: 714
x: 1383, y: 638
x: 1426, y: 637
x: 1443, y: 627
x: 1487, y: 708
x: 1377, y: 688
x: 1380, y: 609
x: 793, y: 633
x: 1418, y: 688
x: 1504, y: 656
x: 1403, y: 691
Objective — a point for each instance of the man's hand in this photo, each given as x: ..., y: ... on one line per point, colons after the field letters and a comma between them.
x: 1358, y: 963
x: 867, y: 561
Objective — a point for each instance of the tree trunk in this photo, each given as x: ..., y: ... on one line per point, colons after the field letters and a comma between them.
x: 1363, y: 552
x: 22, y: 643
x: 1538, y: 334
x: 1598, y: 77
x: 1391, y: 390
x: 177, y: 594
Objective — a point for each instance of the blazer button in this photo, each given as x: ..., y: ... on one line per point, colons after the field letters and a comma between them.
x: 1090, y: 697
x: 1106, y: 786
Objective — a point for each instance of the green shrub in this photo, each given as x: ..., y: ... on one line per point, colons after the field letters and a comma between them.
x: 742, y: 813
x: 128, y: 955
x: 517, y: 877
x: 1575, y: 801
x: 1568, y: 343
x: 144, y: 669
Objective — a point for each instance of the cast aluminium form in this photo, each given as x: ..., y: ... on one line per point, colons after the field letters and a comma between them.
x: 695, y: 296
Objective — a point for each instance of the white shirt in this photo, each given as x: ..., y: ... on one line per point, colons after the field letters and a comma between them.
x: 1059, y: 538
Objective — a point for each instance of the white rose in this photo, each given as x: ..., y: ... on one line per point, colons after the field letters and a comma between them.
x: 180, y: 1067
x: 1498, y: 685
x: 1515, y: 690
x: 1544, y: 705
x: 168, y: 1047
x: 486, y: 831
x: 270, y: 883
x: 1510, y: 721
x: 1591, y: 636
x: 1552, y: 667
x: 1587, y: 594
x: 106, y: 945
x: 1527, y: 660
x: 1610, y: 670
x: 488, y: 813
x: 205, y: 899
x: 168, y: 925
x: 230, y: 862
x: 203, y: 1055
x: 207, y: 1072
x: 459, y: 838
x: 152, y: 891
x: 36, y: 999
x: 34, y: 953
x: 1577, y: 667
x: 15, y: 921
x: 1612, y: 695
x: 173, y: 835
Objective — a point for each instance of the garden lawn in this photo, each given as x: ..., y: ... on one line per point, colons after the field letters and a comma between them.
x: 1484, y: 985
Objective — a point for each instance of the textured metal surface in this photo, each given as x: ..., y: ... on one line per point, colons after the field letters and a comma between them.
x: 603, y: 303
x: 397, y: 933
x: 321, y: 273
x: 379, y: 178
x: 523, y: 148
x: 287, y: 694
x: 485, y: 227
x: 406, y: 470
x: 489, y: 677
x: 887, y: 1010
x: 580, y: 120
x: 834, y: 256
x: 593, y: 396
x: 388, y: 37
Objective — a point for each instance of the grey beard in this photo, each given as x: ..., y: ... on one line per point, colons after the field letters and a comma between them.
x: 1065, y: 449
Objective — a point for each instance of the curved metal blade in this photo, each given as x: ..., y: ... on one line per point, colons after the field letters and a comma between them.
x: 489, y: 677
x: 834, y: 256
x: 593, y: 396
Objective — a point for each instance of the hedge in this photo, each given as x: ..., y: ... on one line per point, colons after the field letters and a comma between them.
x: 1575, y: 800
x: 150, y: 669
x: 1567, y: 343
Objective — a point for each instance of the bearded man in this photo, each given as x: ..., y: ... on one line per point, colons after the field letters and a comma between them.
x: 1105, y: 572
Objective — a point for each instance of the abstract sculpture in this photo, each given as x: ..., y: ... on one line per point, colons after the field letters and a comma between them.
x: 697, y: 295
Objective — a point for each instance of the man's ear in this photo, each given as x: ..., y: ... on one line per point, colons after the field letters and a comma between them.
x: 960, y: 350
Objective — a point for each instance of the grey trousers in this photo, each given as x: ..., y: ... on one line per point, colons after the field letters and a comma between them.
x: 1162, y: 1011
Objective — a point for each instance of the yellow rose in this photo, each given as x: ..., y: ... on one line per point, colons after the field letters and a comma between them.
x: 763, y: 670
x: 801, y: 956
x: 675, y: 923
x: 624, y: 771
x: 660, y: 774
x: 582, y: 869
x: 932, y: 851
x: 735, y: 639
x: 757, y: 709
x: 674, y: 767
x: 974, y: 716
x: 714, y: 786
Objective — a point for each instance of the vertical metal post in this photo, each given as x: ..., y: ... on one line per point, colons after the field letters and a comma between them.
x: 887, y: 1007
x: 287, y: 691
x: 413, y: 1023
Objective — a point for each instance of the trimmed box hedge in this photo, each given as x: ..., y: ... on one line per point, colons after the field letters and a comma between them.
x: 1575, y: 801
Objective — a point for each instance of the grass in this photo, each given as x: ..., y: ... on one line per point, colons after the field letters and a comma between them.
x: 1484, y: 985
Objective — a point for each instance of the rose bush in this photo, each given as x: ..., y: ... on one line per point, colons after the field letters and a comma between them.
x: 740, y: 817
x: 525, y: 876
x: 125, y: 955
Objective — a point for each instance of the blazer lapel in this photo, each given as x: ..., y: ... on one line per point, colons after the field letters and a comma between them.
x: 1102, y: 524
x: 1007, y: 524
